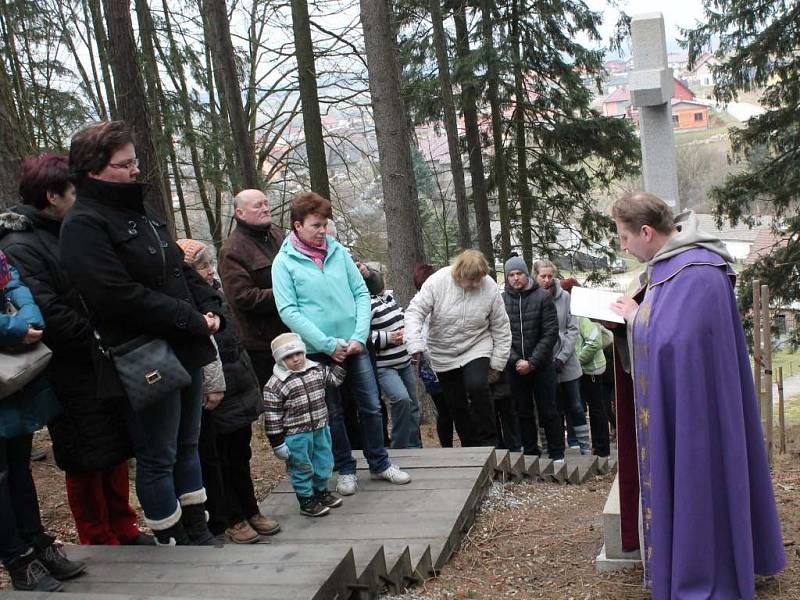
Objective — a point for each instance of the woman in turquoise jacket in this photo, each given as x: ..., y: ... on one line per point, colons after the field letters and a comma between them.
x: 321, y: 296
x: 33, y: 559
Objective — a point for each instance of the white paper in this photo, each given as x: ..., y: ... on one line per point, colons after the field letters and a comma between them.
x: 594, y: 304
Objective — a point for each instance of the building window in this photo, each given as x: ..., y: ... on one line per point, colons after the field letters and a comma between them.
x: 698, y: 116
x: 674, y: 119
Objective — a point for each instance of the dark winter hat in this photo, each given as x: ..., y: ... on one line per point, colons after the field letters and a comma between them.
x: 515, y: 263
x: 374, y: 282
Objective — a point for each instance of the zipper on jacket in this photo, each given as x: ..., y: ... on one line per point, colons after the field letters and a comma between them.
x: 521, y: 332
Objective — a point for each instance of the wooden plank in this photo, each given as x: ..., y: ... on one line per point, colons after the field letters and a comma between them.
x: 476, y: 451
x: 231, y: 555
x: 14, y: 595
x: 533, y: 467
x: 382, y: 502
x: 432, y: 462
x: 587, y: 467
x: 559, y: 473
x: 545, y: 468
x: 502, y: 467
x: 518, y: 470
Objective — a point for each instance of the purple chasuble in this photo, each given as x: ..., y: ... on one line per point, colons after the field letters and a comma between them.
x: 709, y: 519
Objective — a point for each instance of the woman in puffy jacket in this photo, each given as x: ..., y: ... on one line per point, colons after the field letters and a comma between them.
x: 33, y: 559
x: 469, y: 341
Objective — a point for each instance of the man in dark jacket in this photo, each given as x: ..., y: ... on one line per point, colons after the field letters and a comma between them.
x: 531, y: 374
x: 245, y: 267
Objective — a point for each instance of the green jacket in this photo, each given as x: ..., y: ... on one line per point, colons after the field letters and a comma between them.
x: 590, y: 347
x: 321, y: 305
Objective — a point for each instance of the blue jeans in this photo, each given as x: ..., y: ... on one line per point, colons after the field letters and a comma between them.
x: 572, y: 406
x: 164, y: 437
x: 310, y: 461
x: 20, y: 523
x: 364, y: 390
x: 400, y: 386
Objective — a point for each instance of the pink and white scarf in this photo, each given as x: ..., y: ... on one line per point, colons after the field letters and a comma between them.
x: 317, y: 254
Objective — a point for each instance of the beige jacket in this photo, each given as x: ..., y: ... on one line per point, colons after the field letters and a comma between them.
x: 463, y: 325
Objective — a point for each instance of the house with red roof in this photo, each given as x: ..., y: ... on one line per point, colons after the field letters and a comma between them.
x: 687, y: 114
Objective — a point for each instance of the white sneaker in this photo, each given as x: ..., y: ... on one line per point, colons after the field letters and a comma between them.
x: 558, y: 462
x: 392, y: 475
x: 346, y: 485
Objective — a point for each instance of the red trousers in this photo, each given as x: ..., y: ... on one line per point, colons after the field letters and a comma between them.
x: 99, y: 504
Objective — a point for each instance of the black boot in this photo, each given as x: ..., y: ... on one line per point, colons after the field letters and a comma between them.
x: 172, y: 536
x: 311, y: 507
x: 327, y: 499
x: 142, y: 539
x: 28, y: 574
x: 194, y: 522
x: 52, y: 556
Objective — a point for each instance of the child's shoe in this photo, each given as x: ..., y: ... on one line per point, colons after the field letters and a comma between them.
x: 327, y: 499
x: 310, y: 506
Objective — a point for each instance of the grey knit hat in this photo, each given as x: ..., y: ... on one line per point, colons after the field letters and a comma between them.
x: 515, y: 263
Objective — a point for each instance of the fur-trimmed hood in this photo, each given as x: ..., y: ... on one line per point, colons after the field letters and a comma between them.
x: 14, y: 221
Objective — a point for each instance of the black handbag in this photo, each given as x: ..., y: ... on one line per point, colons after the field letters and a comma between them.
x: 146, y: 366
x: 148, y: 370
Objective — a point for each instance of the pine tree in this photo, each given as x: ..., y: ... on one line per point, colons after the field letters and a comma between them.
x: 758, y: 50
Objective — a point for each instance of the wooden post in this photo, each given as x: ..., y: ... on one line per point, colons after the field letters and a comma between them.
x: 781, y: 415
x: 757, y: 351
x: 766, y: 328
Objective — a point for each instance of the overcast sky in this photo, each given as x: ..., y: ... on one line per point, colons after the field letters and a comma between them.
x: 677, y: 13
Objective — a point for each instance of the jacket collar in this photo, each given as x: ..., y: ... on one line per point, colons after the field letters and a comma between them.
x: 119, y: 196
x: 27, y: 218
x: 288, y: 248
x: 260, y: 232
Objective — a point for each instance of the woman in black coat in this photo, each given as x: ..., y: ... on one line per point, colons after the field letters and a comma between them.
x: 90, y: 439
x: 226, y: 430
x: 131, y: 276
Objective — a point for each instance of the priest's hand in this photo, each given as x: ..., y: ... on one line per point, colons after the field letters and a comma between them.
x: 624, y: 306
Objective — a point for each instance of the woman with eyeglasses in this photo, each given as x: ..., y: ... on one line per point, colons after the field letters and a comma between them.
x: 132, y: 279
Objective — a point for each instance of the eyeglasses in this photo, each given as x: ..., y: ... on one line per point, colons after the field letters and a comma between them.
x: 129, y: 164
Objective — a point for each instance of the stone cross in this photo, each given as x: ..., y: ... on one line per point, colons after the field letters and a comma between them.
x: 651, y: 86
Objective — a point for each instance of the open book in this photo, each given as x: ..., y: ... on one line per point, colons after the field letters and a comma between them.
x: 594, y: 304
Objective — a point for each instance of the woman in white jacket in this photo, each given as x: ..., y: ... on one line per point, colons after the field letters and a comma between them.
x: 469, y: 341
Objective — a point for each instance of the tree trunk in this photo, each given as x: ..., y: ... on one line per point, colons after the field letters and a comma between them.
x: 400, y: 202
x: 154, y: 95
x: 312, y: 123
x: 523, y: 192
x: 469, y: 93
x: 222, y: 48
x: 451, y: 125
x: 102, y: 53
x: 132, y: 105
x: 492, y: 92
x: 10, y: 154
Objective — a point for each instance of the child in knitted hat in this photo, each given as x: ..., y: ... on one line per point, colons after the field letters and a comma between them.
x: 296, y: 421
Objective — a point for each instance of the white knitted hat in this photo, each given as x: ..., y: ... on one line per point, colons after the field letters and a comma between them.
x: 286, y: 344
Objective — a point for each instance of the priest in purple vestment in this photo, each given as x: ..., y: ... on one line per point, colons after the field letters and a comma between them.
x: 708, y: 517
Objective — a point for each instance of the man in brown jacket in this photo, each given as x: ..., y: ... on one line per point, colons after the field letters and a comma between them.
x: 245, y: 266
